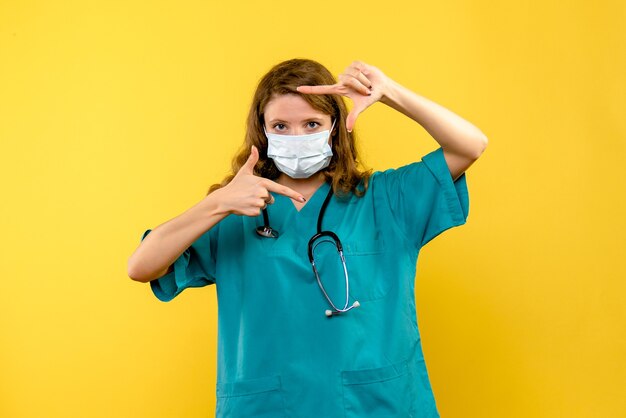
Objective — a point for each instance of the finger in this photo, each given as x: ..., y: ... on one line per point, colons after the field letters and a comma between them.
x: 361, y: 66
x: 355, y: 84
x: 258, y: 204
x: 351, y: 119
x: 358, y: 73
x: 266, y: 196
x: 248, y: 166
x: 324, y: 89
x: 283, y: 190
x: 364, y: 80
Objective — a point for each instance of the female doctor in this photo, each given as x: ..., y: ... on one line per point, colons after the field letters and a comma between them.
x: 314, y: 260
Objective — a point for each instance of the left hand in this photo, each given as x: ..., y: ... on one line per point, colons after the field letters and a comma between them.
x: 364, y: 84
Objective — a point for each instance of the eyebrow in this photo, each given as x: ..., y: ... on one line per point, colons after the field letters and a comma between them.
x: 305, y: 120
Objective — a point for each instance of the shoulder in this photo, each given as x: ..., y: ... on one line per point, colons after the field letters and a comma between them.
x: 431, y: 166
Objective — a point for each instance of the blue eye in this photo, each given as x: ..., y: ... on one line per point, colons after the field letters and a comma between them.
x: 278, y: 124
x: 313, y: 127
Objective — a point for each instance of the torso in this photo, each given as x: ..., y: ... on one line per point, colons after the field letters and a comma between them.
x: 306, y: 187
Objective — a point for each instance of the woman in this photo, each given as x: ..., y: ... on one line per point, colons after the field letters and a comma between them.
x: 305, y: 330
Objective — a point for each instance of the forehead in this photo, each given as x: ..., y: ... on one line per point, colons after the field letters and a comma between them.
x: 293, y: 106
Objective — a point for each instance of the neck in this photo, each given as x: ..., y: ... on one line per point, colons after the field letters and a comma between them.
x: 306, y: 187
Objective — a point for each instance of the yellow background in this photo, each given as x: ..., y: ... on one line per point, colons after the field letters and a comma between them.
x: 116, y: 116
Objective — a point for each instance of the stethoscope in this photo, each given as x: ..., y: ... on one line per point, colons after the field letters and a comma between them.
x: 268, y: 232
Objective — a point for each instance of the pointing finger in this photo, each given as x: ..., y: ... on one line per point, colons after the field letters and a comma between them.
x: 284, y: 190
x: 324, y: 89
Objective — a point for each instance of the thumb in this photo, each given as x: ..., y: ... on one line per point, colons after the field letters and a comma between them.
x: 351, y: 119
x: 248, y: 167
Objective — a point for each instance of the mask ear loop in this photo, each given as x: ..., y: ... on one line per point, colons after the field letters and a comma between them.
x: 330, y: 133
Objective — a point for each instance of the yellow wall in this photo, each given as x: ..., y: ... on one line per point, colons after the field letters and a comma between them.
x: 115, y: 116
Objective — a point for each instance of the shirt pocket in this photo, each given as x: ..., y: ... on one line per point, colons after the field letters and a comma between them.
x: 365, y: 262
x: 386, y: 391
x: 259, y: 398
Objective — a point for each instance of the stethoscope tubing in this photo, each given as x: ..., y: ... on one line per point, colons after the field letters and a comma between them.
x: 268, y: 232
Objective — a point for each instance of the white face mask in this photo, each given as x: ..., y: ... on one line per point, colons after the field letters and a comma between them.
x: 300, y: 156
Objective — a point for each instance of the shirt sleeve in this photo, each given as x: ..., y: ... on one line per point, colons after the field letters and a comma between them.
x: 195, y: 267
x: 423, y: 198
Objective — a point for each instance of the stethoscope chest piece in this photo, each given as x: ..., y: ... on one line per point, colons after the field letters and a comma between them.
x: 267, y: 231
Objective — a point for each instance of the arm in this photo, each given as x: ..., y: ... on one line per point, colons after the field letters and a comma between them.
x: 159, y: 249
x: 246, y: 194
x: 364, y: 84
x: 462, y: 142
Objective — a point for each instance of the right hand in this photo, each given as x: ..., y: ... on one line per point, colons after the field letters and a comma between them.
x: 247, y: 194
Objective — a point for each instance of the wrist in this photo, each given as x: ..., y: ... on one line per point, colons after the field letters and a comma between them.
x: 390, y: 93
x: 214, y: 204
